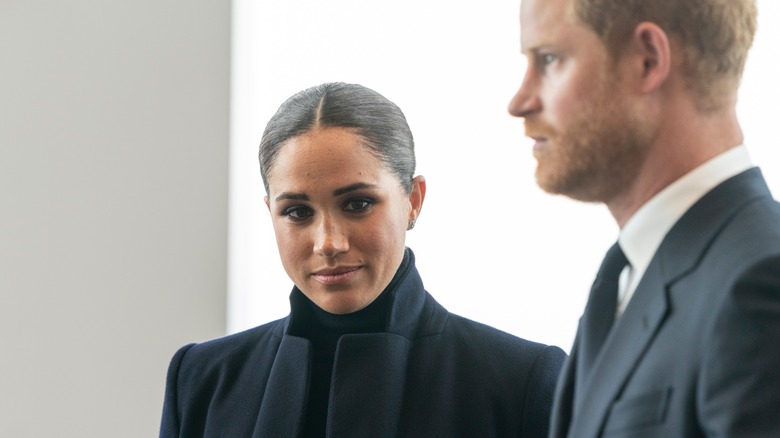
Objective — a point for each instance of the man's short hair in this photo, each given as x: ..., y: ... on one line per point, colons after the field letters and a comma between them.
x: 714, y: 37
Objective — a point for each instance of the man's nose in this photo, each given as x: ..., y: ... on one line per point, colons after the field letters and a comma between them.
x: 526, y: 101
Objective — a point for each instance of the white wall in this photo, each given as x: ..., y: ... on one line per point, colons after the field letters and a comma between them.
x: 113, y: 206
x: 489, y: 244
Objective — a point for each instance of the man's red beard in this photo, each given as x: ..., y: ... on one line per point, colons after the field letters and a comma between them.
x: 594, y: 157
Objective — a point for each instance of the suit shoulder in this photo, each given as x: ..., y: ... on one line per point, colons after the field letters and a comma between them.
x: 750, y: 237
x: 762, y: 210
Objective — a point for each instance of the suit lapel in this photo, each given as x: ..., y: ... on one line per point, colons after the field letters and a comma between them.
x: 634, y: 332
x: 625, y: 345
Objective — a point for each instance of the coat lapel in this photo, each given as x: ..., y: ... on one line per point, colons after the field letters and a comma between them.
x: 368, y: 380
x: 564, y: 395
x: 369, y: 373
x: 283, y: 403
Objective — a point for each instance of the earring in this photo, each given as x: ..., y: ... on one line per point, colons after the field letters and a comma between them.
x: 411, y: 225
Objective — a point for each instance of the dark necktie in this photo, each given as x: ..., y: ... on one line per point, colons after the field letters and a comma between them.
x: 600, y: 310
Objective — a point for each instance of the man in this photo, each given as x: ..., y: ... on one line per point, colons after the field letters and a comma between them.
x: 631, y: 103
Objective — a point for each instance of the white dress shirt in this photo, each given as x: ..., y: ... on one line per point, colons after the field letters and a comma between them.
x: 641, y: 236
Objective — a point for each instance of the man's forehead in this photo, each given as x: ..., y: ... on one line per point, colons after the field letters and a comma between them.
x: 537, y: 10
x: 548, y: 22
x: 543, y: 19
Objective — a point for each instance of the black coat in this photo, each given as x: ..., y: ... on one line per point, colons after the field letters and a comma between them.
x: 430, y: 374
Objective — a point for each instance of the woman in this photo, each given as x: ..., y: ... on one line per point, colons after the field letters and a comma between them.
x: 365, y: 351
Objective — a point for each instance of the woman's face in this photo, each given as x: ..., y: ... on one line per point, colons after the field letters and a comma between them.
x: 340, y: 218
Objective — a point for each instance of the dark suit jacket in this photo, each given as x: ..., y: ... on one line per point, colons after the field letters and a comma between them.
x: 431, y: 374
x: 697, y: 351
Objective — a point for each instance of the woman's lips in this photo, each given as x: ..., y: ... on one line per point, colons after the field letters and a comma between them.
x: 336, y: 275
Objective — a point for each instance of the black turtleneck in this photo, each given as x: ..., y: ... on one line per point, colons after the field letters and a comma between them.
x: 324, y: 330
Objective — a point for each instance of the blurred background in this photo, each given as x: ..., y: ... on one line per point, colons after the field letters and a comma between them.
x: 131, y: 215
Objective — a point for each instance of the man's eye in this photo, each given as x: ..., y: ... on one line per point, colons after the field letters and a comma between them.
x: 357, y: 205
x: 547, y: 58
x: 297, y: 213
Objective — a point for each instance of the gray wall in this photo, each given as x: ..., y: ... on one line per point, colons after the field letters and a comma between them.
x: 113, y: 206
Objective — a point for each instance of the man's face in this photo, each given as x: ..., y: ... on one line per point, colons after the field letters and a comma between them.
x: 587, y: 139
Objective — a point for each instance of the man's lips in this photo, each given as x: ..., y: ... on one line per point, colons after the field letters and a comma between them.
x: 539, y: 132
x: 539, y: 141
x: 336, y: 275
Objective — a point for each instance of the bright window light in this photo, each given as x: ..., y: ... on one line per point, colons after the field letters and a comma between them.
x: 490, y: 245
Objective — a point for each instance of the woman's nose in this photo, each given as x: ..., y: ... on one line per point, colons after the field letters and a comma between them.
x: 330, y: 240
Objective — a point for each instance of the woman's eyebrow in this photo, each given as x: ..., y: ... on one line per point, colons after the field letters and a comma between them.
x: 338, y: 192
x: 293, y: 196
x: 353, y: 187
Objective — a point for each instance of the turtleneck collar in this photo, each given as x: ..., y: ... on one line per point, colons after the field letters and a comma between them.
x: 324, y: 329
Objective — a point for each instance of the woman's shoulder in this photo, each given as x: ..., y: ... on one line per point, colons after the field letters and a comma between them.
x: 234, y: 348
x: 224, y: 367
x: 455, y: 332
x: 486, y: 339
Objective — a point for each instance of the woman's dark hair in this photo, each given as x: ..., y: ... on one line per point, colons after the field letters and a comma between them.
x: 338, y: 105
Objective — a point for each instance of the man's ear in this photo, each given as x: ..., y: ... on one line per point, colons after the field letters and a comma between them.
x: 653, y: 47
x: 417, y: 196
x: 267, y: 202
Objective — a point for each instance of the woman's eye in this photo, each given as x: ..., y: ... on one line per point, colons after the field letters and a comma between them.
x: 357, y: 205
x: 297, y: 213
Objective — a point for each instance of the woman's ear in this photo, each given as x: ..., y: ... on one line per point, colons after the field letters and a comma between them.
x: 653, y: 47
x: 417, y: 196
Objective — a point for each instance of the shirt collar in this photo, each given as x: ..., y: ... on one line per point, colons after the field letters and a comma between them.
x: 645, y: 230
